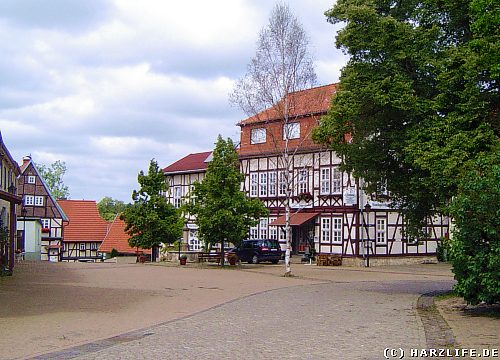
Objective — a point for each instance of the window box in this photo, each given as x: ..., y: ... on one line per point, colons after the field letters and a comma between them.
x: 305, y: 196
x: 45, y: 230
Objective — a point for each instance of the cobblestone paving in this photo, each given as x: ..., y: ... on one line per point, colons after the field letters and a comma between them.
x: 322, y: 321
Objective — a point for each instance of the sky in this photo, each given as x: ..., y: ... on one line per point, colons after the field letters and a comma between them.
x: 108, y: 85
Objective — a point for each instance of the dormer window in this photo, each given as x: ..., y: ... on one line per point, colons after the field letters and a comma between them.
x: 291, y: 131
x: 258, y: 136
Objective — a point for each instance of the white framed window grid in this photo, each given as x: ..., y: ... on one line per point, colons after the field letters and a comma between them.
x: 303, y: 179
x: 177, y: 196
x: 326, y: 230
x: 254, y: 184
x: 272, y: 183
x: 263, y: 184
x: 273, y: 232
x: 82, y: 246
x: 337, y: 230
x: 254, y: 232
x: 291, y: 131
x: 45, y: 223
x: 336, y: 181
x: 381, y: 231
x: 31, y: 179
x: 93, y: 246
x: 325, y: 181
x: 29, y: 200
x: 282, y: 184
x: 258, y: 136
x: 38, y: 200
x: 263, y: 228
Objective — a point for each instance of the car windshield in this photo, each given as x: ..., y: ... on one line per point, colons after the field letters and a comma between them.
x: 270, y: 244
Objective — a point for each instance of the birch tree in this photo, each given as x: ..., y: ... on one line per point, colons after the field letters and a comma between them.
x: 281, y: 66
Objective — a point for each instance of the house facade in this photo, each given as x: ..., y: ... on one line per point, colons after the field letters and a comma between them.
x: 40, y: 218
x: 85, y: 231
x: 330, y: 212
x: 9, y: 200
x: 180, y: 177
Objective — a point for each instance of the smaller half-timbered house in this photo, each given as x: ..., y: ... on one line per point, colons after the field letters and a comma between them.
x: 85, y: 231
x: 180, y: 177
x: 40, y: 218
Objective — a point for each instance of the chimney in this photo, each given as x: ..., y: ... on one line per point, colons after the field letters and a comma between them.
x: 26, y: 159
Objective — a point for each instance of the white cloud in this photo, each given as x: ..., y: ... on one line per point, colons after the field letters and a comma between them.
x: 106, y: 91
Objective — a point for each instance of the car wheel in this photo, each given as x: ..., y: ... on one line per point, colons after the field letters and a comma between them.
x: 255, y: 259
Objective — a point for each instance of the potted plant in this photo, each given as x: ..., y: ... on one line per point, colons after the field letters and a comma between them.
x: 183, y: 259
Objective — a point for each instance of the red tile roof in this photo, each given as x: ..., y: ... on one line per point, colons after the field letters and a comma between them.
x: 304, y: 102
x: 117, y: 239
x: 190, y: 163
x: 85, y: 223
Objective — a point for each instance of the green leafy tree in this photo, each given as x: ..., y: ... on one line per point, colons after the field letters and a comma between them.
x: 53, y: 177
x: 475, y: 245
x: 151, y: 220
x: 109, y: 208
x: 223, y: 212
x: 414, y: 97
x: 419, y: 99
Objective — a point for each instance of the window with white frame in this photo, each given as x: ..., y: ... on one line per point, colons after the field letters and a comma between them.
x: 38, y: 200
x: 254, y: 184
x: 325, y: 181
x: 45, y: 223
x: 254, y: 232
x: 282, y: 184
x: 336, y: 181
x: 93, y: 246
x: 258, y: 136
x: 302, y: 181
x: 82, y: 246
x: 337, y: 230
x: 381, y: 231
x: 177, y: 196
x: 31, y: 179
x: 291, y: 131
x: 272, y: 183
x: 263, y: 228
x: 326, y: 230
x: 29, y: 200
x: 263, y: 184
x: 273, y: 232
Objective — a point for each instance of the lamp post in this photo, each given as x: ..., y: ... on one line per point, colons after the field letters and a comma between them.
x: 367, y: 226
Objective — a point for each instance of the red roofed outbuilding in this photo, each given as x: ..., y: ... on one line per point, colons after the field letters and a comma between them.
x: 85, y: 231
x: 117, y: 239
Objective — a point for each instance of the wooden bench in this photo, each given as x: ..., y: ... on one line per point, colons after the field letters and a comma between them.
x: 209, y: 257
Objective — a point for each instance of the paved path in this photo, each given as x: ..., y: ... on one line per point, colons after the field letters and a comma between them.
x: 331, y: 320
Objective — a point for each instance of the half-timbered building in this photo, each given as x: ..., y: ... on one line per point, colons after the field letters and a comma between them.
x: 40, y: 218
x: 330, y: 212
x: 180, y: 177
x: 9, y: 170
x: 84, y: 232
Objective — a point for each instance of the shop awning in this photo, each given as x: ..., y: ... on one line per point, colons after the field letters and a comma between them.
x: 296, y: 219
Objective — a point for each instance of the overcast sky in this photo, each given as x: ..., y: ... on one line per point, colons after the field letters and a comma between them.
x: 107, y: 85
